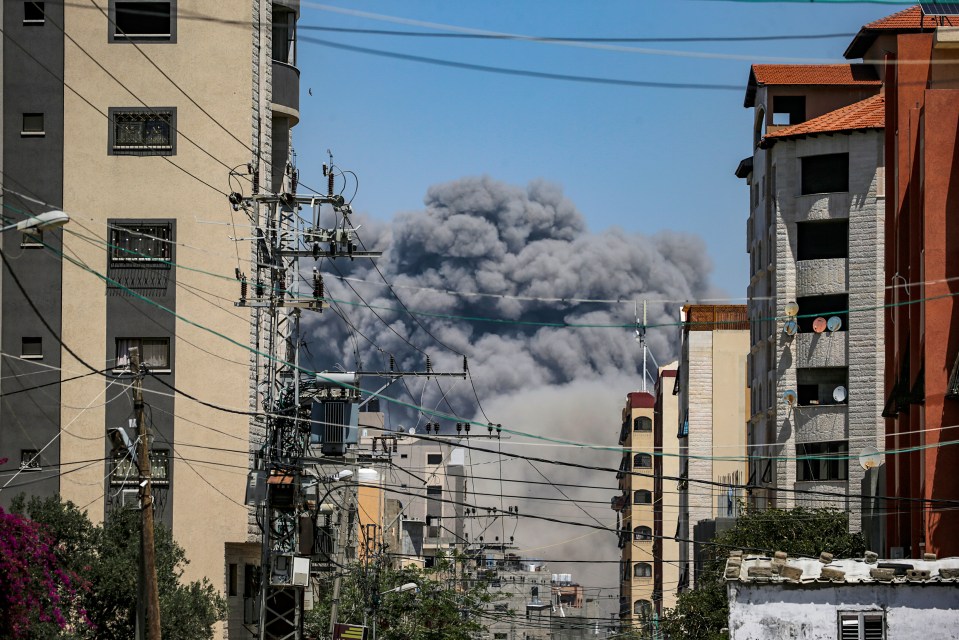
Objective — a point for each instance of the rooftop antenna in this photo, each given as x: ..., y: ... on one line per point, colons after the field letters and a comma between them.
x: 641, y: 337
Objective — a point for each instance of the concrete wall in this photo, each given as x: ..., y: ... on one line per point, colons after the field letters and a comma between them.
x: 811, y: 612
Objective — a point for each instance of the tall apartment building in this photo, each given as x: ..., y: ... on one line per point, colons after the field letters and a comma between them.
x: 712, y: 398
x: 815, y: 240
x: 130, y: 119
x: 646, y: 517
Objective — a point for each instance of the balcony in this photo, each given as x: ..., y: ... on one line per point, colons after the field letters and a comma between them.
x: 823, y: 206
x: 819, y: 277
x: 286, y: 90
x: 820, y: 423
x: 827, y: 349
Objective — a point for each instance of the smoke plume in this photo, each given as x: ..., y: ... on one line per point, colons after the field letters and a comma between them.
x: 480, y: 236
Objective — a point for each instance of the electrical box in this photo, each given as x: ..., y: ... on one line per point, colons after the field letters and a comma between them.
x: 290, y: 571
x: 334, y: 425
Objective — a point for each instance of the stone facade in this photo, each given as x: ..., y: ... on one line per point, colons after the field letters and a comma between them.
x: 782, y: 415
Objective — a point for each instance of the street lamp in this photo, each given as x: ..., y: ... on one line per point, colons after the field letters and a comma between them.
x: 409, y: 586
x: 41, y: 221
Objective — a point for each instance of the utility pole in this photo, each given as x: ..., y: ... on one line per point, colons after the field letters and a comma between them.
x: 276, y: 488
x: 149, y: 591
x: 342, y: 534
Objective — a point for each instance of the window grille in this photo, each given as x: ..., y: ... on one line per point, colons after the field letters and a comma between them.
x: 138, y: 243
x: 642, y: 423
x: 125, y: 471
x: 642, y: 534
x: 29, y: 460
x: 642, y: 461
x: 143, y: 131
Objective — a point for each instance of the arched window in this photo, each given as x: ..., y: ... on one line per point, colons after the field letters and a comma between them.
x: 642, y: 497
x: 643, y: 608
x: 642, y: 533
x: 642, y: 423
x: 642, y: 570
x: 759, y: 129
x: 642, y: 461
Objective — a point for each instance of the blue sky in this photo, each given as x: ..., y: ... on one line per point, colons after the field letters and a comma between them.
x: 641, y: 159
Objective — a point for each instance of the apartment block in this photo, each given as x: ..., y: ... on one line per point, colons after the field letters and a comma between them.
x: 712, y: 396
x: 131, y: 119
x: 646, y: 513
x: 815, y: 239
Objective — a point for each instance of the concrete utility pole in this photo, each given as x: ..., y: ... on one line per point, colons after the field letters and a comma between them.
x: 149, y: 590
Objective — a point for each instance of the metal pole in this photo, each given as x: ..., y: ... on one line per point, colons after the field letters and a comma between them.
x: 147, y: 548
x: 341, y: 536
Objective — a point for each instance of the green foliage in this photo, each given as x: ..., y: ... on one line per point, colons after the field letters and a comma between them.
x: 107, y: 558
x: 445, y: 608
x: 702, y: 612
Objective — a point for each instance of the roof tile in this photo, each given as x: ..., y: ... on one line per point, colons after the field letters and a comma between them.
x: 812, y: 74
x: 912, y: 18
x: 866, y: 114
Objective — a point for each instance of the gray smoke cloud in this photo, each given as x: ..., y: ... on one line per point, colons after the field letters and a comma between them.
x: 481, y: 236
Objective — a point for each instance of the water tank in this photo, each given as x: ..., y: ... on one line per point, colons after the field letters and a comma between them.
x: 368, y: 476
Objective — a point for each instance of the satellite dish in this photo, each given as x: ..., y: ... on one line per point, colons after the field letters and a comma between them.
x: 790, y: 397
x: 790, y: 328
x: 819, y: 325
x: 412, y: 431
x: 792, y: 309
x: 839, y: 394
x: 833, y: 323
x: 870, y: 458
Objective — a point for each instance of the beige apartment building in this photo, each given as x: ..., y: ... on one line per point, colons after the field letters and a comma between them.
x: 713, y: 399
x: 138, y: 121
x: 646, y: 515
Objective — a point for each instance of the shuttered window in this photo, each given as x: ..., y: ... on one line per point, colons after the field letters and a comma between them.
x: 866, y: 625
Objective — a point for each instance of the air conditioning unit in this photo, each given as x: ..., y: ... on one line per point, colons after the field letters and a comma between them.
x: 130, y: 498
x: 334, y: 425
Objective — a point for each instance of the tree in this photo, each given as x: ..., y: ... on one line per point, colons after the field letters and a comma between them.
x: 703, y: 612
x: 38, y: 595
x: 107, y: 558
x: 446, y: 608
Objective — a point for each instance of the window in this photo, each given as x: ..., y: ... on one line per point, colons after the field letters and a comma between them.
x: 643, y: 608
x: 642, y: 423
x: 434, y: 510
x: 154, y: 353
x: 865, y: 625
x: 789, y: 110
x: 32, y: 239
x: 684, y: 427
x: 32, y: 126
x: 251, y: 580
x: 142, y: 131
x: 812, y: 307
x: 142, y: 21
x: 499, y: 636
x: 29, y: 460
x: 822, y: 240
x: 642, y: 570
x: 827, y: 173
x: 821, y: 385
x: 284, y: 35
x: 434, y: 458
x: 232, y: 578
x: 822, y: 461
x: 125, y: 470
x: 31, y: 347
x: 140, y: 243
x: 501, y: 607
x: 33, y: 15
x: 642, y: 533
x: 642, y: 461
x: 642, y: 497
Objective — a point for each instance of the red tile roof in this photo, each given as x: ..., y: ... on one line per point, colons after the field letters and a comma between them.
x: 911, y: 20
x: 808, y: 75
x: 866, y: 114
